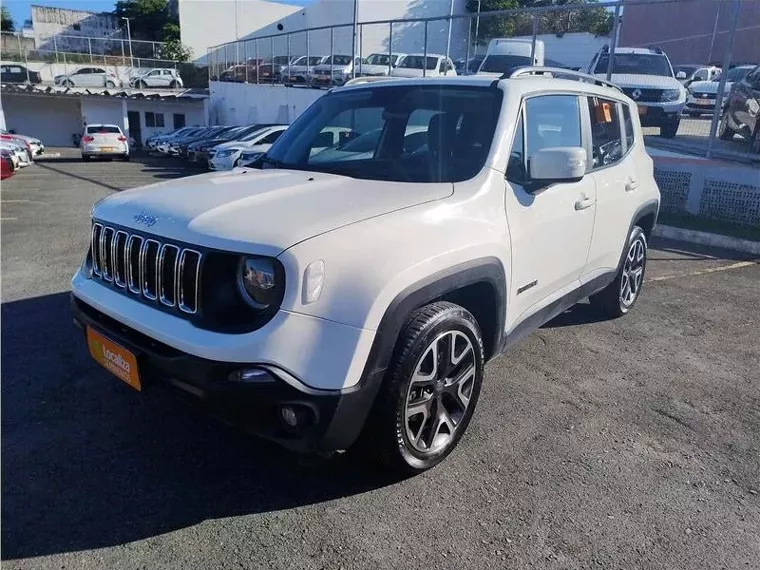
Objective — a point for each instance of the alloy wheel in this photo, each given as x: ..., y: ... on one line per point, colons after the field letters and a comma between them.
x: 633, y: 272
x: 440, y: 392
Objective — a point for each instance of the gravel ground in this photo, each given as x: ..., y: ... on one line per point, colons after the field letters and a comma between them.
x: 630, y: 444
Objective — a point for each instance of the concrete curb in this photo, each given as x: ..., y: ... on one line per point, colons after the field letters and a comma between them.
x: 708, y: 239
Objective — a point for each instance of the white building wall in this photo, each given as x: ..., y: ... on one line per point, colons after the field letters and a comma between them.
x: 245, y: 104
x: 51, y: 119
x: 49, y: 23
x: 194, y: 111
x: 205, y: 23
x: 104, y: 112
x: 407, y: 37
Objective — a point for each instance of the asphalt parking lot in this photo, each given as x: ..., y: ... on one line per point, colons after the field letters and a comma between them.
x: 627, y: 444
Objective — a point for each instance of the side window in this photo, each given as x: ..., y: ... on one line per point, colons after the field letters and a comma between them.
x: 606, y: 138
x: 155, y: 73
x: 270, y: 138
x: 551, y: 121
x: 167, y: 72
x: 97, y: 70
x: 516, y: 164
x: 700, y: 75
x: 629, y: 132
x: 179, y: 120
x: 159, y: 119
x: 150, y: 119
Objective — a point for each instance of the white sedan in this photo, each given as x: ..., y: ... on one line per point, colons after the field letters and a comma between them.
x: 104, y: 141
x: 226, y: 156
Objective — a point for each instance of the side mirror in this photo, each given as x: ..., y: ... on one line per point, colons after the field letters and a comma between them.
x: 557, y: 164
x: 681, y: 75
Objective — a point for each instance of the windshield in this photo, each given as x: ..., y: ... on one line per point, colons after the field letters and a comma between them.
x: 339, y: 60
x: 379, y: 59
x: 416, y: 62
x: 689, y: 70
x: 504, y: 63
x: 103, y: 129
x: 636, y: 63
x: 735, y: 74
x: 368, y: 133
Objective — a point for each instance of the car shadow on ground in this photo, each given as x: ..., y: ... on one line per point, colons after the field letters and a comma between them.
x: 87, y: 462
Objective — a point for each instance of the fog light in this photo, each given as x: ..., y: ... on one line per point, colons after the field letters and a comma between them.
x: 289, y: 416
x: 251, y: 376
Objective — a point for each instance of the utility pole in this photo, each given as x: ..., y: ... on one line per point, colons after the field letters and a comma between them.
x: 353, y: 49
x: 448, y: 37
x: 477, y: 29
x: 129, y: 39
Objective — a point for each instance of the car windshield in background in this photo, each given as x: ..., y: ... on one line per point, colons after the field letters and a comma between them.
x: 339, y: 60
x: 103, y: 129
x: 417, y: 62
x: 416, y: 133
x: 504, y: 63
x: 736, y: 74
x: 636, y: 63
x: 379, y: 59
x: 687, y: 69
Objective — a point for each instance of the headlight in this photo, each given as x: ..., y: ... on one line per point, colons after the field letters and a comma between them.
x: 224, y: 153
x: 671, y: 94
x: 258, y: 282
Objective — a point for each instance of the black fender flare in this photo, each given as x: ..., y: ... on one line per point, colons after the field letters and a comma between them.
x: 647, y: 208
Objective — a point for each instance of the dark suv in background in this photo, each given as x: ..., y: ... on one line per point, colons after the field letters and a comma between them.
x: 742, y: 112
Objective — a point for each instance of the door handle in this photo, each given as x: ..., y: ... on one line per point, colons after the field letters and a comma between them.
x: 631, y: 184
x: 583, y: 203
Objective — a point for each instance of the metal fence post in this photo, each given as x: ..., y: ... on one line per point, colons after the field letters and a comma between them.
x: 89, y: 48
x: 245, y: 62
x: 533, y: 41
x: 332, y: 45
x: 717, y: 112
x: 390, y: 48
x: 469, y: 39
x: 26, y: 63
x: 353, y: 39
x: 55, y: 47
x: 123, y: 57
x: 448, y: 36
x: 258, y: 64
x: 613, y: 43
x: 424, y: 52
x: 361, y: 36
x: 307, y: 77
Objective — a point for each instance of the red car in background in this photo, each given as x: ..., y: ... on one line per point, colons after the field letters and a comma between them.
x: 6, y: 167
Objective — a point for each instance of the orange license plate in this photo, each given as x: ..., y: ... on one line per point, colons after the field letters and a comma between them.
x: 116, y: 359
x: 642, y: 110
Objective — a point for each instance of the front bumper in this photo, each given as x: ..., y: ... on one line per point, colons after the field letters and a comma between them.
x: 657, y: 114
x: 223, y: 162
x: 328, y: 420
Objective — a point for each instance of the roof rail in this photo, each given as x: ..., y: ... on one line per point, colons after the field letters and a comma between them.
x: 568, y: 73
x: 370, y: 79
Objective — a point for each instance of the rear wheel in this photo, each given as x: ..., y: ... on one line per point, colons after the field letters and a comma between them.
x: 125, y: 158
x: 725, y: 132
x: 86, y: 157
x: 141, y: 84
x: 68, y: 83
x: 618, y: 297
x: 111, y: 84
x: 174, y: 85
x: 428, y: 398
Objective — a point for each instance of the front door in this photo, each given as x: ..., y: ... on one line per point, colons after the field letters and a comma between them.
x: 133, y: 120
x: 550, y: 228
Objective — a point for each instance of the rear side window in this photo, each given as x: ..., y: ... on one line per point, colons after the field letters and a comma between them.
x: 103, y: 129
x: 606, y: 136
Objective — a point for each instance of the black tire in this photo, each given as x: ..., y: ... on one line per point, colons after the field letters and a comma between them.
x: 86, y: 157
x: 386, y: 437
x: 669, y: 129
x: 125, y: 158
x: 68, y: 83
x: 142, y: 85
x: 111, y: 84
x: 725, y: 133
x: 173, y: 85
x: 610, y: 301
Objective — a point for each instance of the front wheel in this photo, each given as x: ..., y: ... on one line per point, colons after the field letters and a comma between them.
x: 428, y: 398
x: 618, y: 297
x: 670, y: 129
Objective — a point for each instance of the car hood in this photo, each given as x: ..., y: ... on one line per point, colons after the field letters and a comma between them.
x: 259, y: 211
x: 373, y: 69
x: 708, y: 87
x: 643, y: 81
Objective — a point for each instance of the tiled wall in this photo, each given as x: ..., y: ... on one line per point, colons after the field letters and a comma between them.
x: 726, y: 193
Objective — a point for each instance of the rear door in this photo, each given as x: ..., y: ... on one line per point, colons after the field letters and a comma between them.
x: 155, y: 79
x: 612, y: 137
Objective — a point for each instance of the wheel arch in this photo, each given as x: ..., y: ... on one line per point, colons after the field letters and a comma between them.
x: 645, y: 217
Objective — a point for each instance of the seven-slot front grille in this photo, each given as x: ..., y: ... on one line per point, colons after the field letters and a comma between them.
x: 159, y: 272
x: 643, y: 95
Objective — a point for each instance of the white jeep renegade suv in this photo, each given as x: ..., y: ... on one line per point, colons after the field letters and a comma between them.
x: 327, y: 299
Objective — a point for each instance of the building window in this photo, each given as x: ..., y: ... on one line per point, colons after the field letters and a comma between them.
x: 77, y: 27
x: 179, y: 120
x: 154, y: 119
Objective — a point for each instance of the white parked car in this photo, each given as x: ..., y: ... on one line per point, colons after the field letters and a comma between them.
x: 702, y: 95
x: 227, y: 155
x: 104, y: 141
x: 507, y: 54
x: 689, y: 73
x: 157, y: 78
x: 378, y: 64
x: 355, y: 302
x: 20, y: 155
x: 646, y: 76
x: 335, y: 70
x: 421, y: 65
x: 299, y: 71
x: 89, y: 77
x: 35, y: 144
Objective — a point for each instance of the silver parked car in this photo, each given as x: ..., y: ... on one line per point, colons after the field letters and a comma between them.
x: 164, y: 77
x: 106, y: 141
x: 89, y: 77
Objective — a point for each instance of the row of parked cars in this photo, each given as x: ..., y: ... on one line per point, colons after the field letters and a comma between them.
x: 17, y: 151
x: 218, y: 147
x: 142, y: 78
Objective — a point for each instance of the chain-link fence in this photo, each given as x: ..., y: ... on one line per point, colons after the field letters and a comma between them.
x: 69, y: 53
x: 662, y: 56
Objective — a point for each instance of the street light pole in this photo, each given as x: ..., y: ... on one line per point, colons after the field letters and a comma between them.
x: 477, y: 28
x: 353, y: 49
x: 129, y: 39
x: 448, y: 36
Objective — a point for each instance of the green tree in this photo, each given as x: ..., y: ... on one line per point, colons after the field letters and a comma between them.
x: 176, y: 51
x: 487, y: 27
x: 6, y: 22
x: 147, y: 17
